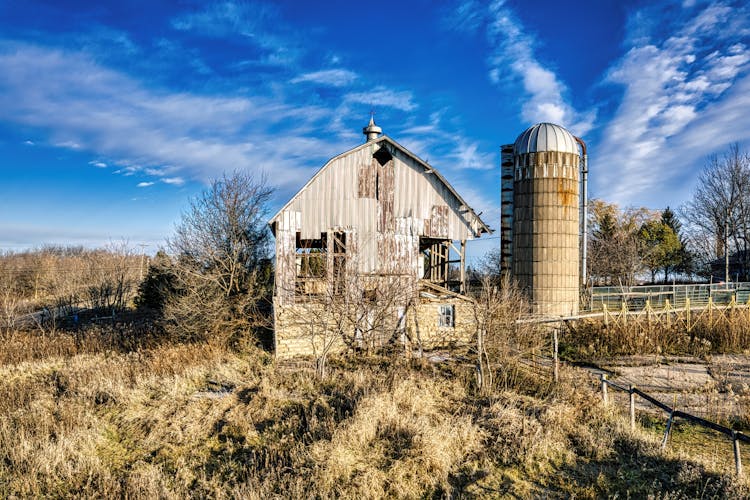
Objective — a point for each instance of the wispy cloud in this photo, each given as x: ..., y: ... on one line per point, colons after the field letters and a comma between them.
x: 331, y: 77
x: 676, y: 78
x: 513, y: 50
x: 384, y: 97
x: 85, y: 106
x: 513, y: 65
x: 258, y: 23
x: 455, y: 151
x: 144, y: 184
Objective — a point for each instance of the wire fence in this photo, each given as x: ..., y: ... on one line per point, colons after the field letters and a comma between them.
x: 635, y: 298
x: 542, y: 363
x: 673, y: 413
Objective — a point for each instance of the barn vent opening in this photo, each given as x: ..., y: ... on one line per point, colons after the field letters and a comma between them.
x: 383, y: 156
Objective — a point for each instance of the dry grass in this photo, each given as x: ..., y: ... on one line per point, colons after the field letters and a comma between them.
x: 177, y: 421
x: 717, y: 331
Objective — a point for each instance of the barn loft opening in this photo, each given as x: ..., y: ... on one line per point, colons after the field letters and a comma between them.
x: 383, y: 156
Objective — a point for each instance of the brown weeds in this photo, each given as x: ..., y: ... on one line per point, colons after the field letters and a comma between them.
x: 198, y: 420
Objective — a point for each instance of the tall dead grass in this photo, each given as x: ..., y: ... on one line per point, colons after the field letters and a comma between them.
x: 198, y: 420
x: 724, y: 331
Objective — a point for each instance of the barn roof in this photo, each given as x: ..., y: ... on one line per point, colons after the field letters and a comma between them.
x: 384, y: 139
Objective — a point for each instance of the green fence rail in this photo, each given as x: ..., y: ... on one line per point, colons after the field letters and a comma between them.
x: 635, y: 298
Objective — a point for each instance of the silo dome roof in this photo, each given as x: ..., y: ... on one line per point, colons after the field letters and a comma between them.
x: 545, y: 137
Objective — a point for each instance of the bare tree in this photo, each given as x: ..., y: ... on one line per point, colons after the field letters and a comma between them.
x: 502, y: 341
x: 614, y: 245
x: 719, y: 211
x: 10, y: 302
x: 221, y: 265
x: 358, y: 313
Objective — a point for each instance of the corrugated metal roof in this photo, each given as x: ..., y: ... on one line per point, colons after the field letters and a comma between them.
x: 546, y: 137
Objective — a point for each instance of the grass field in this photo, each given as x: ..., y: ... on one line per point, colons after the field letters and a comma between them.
x: 80, y: 418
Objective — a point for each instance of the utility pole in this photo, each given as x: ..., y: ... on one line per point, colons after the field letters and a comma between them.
x: 143, y: 254
x: 726, y: 248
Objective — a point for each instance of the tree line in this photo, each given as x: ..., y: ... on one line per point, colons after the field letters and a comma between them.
x: 704, y: 239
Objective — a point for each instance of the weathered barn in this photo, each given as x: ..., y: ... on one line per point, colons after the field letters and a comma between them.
x: 372, y: 249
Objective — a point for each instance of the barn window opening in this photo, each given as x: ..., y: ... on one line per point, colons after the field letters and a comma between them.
x: 446, y: 316
x: 311, y: 262
x: 436, y: 263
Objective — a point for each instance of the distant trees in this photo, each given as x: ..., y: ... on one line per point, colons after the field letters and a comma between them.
x: 718, y: 215
x: 221, y: 266
x: 680, y: 259
x: 625, y: 243
x: 614, y: 243
x: 64, y: 279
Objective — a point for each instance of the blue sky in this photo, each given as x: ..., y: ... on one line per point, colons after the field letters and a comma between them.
x: 113, y: 114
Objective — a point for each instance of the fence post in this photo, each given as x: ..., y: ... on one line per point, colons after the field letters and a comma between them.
x: 556, y: 358
x: 666, y: 431
x: 632, y: 407
x: 737, y: 458
x: 606, y: 317
x: 604, y: 389
x: 668, y: 312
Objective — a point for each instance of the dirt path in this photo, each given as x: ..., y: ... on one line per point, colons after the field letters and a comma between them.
x: 717, y: 388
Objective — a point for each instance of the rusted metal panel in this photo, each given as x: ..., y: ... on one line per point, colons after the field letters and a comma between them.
x: 367, y: 180
x: 338, y: 195
x: 439, y: 221
x: 385, y: 196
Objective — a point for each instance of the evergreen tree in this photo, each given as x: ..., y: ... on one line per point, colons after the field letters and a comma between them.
x: 660, y: 246
x: 680, y: 260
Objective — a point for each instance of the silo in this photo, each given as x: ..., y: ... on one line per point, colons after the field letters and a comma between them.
x: 545, y: 238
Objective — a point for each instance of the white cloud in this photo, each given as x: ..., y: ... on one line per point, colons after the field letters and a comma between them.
x: 176, y: 181
x: 331, y: 77
x: 98, y: 164
x: 467, y: 16
x: 673, y: 82
x: 451, y: 151
x: 145, y: 184
x: 84, y: 106
x: 29, y: 143
x: 382, y: 96
x: 513, y: 61
x: 256, y: 22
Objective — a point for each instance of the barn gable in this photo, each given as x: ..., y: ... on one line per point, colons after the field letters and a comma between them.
x: 378, y: 213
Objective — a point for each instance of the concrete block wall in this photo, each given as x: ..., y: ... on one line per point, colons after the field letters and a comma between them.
x: 298, y: 327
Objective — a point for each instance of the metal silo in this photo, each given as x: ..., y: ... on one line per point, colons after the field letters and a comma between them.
x: 545, y: 244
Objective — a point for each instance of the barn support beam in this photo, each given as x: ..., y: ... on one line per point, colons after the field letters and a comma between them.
x: 463, y: 267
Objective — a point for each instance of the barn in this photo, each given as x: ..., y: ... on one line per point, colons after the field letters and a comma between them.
x: 372, y: 250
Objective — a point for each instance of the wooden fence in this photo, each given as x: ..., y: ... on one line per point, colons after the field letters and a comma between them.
x: 685, y: 318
